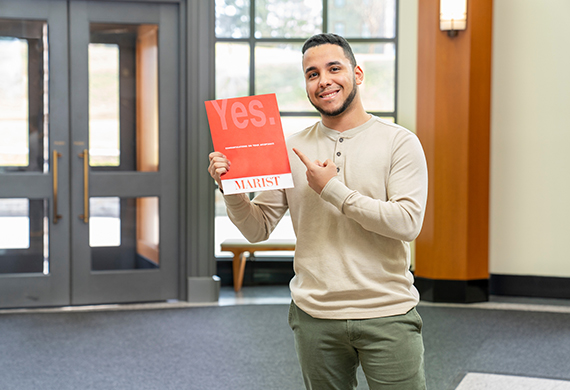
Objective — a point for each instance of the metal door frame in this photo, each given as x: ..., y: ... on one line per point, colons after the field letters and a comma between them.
x: 92, y: 287
x: 70, y: 280
x: 37, y: 289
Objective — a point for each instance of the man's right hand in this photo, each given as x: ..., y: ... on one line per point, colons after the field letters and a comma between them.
x: 219, y: 165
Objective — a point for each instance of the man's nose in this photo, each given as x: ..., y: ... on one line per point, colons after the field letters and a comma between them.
x: 324, y: 81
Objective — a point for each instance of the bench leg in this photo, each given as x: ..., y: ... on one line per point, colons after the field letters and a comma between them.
x: 238, y: 267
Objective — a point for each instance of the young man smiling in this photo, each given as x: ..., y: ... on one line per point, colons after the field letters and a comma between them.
x: 355, y: 208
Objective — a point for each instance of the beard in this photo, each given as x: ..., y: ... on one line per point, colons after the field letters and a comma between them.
x: 347, y: 102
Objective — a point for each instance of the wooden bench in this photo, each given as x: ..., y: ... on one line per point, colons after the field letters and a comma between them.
x: 240, y: 247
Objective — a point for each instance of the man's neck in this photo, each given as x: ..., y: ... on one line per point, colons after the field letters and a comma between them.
x: 347, y: 120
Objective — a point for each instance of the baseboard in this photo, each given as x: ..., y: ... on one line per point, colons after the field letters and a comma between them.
x: 469, y: 291
x: 453, y: 291
x: 203, y: 289
x: 530, y: 286
x: 276, y: 271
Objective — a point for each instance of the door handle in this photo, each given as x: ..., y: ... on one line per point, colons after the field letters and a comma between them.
x: 85, y: 156
x: 56, y: 216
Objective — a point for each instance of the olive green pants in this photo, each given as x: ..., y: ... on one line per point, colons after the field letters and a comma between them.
x: 390, y: 350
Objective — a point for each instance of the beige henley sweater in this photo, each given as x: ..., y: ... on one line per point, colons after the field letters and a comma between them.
x: 352, y: 255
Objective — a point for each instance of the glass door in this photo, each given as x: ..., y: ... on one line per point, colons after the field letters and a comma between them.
x: 124, y: 151
x: 34, y: 216
x: 90, y: 210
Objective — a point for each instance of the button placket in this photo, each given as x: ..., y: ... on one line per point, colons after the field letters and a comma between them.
x: 338, y: 157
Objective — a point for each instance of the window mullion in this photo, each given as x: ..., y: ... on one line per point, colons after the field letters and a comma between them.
x: 325, y: 16
x: 252, y: 67
x: 252, y: 48
x: 396, y: 52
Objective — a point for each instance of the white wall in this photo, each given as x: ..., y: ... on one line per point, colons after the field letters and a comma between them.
x: 530, y: 138
x: 407, y: 72
x: 407, y: 63
x: 530, y: 131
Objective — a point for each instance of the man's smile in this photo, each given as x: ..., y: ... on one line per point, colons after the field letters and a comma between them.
x: 329, y: 94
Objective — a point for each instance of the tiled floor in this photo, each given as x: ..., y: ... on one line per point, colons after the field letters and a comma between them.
x: 257, y: 295
x: 266, y: 295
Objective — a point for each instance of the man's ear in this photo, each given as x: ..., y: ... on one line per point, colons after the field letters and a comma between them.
x: 358, y: 75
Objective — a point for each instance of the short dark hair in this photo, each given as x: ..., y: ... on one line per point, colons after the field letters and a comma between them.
x: 333, y: 39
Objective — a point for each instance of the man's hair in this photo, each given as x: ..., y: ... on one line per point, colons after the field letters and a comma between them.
x: 333, y: 39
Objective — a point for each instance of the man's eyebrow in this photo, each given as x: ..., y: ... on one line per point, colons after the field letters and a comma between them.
x: 310, y: 68
x: 329, y: 64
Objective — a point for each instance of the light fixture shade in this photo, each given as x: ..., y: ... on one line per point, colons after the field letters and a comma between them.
x: 452, y: 15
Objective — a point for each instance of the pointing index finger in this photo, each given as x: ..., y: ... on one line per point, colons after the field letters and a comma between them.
x: 304, y: 159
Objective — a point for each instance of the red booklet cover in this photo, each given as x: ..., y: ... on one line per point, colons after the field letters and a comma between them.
x: 248, y: 131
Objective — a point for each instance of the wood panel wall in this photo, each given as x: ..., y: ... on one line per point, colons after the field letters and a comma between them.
x: 453, y: 124
x: 148, y: 244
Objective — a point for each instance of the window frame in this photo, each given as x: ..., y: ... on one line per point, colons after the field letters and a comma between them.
x: 252, y: 42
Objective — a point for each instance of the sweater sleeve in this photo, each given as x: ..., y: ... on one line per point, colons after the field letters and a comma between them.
x: 401, y: 215
x: 256, y: 219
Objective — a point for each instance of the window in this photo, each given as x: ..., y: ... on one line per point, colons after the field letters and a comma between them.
x: 24, y: 98
x: 258, y: 51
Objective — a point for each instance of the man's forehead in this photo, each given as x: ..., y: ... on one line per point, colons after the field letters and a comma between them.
x: 324, y: 53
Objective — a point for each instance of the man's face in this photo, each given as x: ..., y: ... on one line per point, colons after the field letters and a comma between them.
x: 330, y: 80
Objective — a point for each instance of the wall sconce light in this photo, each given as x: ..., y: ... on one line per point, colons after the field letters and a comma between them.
x: 452, y: 16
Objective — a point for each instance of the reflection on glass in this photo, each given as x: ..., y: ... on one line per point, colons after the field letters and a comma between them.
x: 123, y: 97
x: 23, y: 96
x: 363, y: 18
x: 339, y: 28
x: 24, y: 240
x: 14, y: 102
x: 232, y: 19
x: 104, y: 149
x: 378, y: 60
x: 278, y: 69
x: 124, y: 233
x: 14, y: 223
x: 104, y: 222
x: 288, y: 18
x: 232, y: 70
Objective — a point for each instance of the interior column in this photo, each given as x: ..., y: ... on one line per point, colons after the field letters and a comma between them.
x: 453, y: 124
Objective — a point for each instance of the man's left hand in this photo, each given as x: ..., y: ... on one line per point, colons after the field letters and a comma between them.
x: 318, y: 173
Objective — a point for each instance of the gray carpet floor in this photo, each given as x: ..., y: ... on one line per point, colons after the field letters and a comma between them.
x: 522, y: 343
x: 251, y: 347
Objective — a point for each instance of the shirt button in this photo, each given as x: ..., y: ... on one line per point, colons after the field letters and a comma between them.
x: 338, y: 154
x: 337, y: 169
x: 340, y: 139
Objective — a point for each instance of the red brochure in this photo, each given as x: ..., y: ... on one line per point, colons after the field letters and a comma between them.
x: 248, y: 131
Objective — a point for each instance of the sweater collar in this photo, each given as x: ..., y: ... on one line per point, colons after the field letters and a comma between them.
x: 334, y: 134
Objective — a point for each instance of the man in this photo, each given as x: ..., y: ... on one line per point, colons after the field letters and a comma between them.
x: 354, y: 210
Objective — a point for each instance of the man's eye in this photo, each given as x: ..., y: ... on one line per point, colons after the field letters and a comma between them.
x: 312, y: 75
